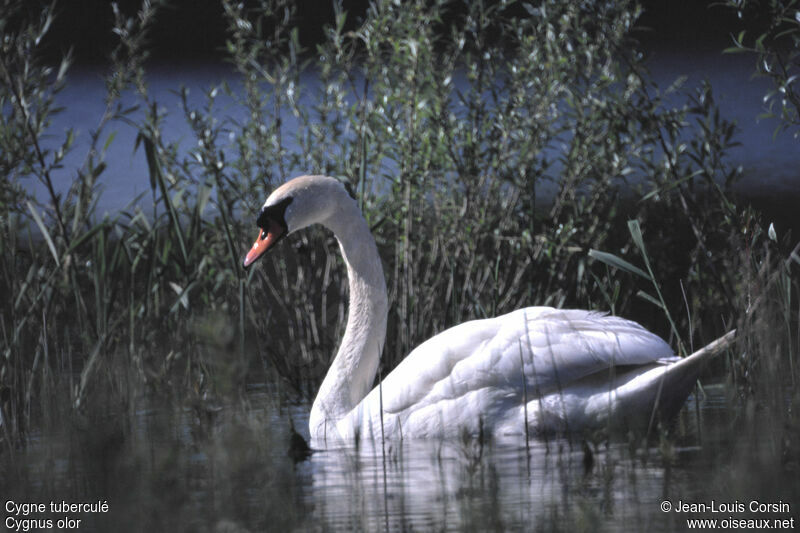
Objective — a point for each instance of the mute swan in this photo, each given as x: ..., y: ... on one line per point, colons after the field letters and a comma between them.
x: 556, y: 369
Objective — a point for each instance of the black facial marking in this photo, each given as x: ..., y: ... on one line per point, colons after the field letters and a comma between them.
x: 275, y: 213
x: 349, y: 189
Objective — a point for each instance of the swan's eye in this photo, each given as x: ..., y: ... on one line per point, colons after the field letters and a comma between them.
x: 263, y: 234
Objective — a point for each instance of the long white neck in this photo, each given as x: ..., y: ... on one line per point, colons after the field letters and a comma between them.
x: 352, y: 372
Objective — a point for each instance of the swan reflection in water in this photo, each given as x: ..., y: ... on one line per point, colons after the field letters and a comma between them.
x: 458, y: 484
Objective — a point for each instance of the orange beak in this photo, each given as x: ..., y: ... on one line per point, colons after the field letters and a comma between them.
x: 265, y: 240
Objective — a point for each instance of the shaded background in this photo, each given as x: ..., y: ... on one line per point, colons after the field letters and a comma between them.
x: 195, y: 30
x: 681, y: 37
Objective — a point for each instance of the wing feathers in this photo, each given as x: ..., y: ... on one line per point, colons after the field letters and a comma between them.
x: 547, y: 348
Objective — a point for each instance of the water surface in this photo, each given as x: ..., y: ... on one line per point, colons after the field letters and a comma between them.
x: 769, y: 162
x: 226, y: 468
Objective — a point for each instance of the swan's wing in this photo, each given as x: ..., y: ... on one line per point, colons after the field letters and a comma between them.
x: 539, y: 350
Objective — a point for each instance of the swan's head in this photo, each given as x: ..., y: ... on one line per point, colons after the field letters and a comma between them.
x: 296, y: 204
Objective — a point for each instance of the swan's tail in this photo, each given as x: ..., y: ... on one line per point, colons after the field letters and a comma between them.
x: 706, y: 352
x: 658, y: 393
x: 679, y: 378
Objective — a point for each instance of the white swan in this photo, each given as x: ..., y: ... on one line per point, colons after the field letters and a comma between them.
x: 558, y: 369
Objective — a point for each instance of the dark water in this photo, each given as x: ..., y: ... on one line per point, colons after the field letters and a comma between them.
x: 227, y: 469
x: 770, y: 163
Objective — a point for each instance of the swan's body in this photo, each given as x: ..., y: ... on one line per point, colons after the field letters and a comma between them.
x: 552, y: 369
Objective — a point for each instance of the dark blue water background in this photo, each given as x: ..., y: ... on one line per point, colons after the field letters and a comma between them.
x: 770, y: 163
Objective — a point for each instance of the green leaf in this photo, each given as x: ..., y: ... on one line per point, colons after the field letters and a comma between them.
x: 644, y: 296
x: 109, y: 140
x: 735, y: 50
x: 636, y: 235
x: 96, y: 171
x: 203, y: 195
x: 617, y: 262
x: 183, y: 295
x: 86, y: 236
x: 45, y: 233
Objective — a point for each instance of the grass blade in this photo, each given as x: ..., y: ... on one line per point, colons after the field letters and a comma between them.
x: 648, y: 298
x: 617, y: 262
x: 157, y: 178
x: 636, y: 235
x: 45, y: 233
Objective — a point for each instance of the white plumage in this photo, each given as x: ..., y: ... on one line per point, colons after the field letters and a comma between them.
x: 567, y: 370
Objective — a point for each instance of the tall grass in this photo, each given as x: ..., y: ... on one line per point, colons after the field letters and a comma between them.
x: 491, y: 146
